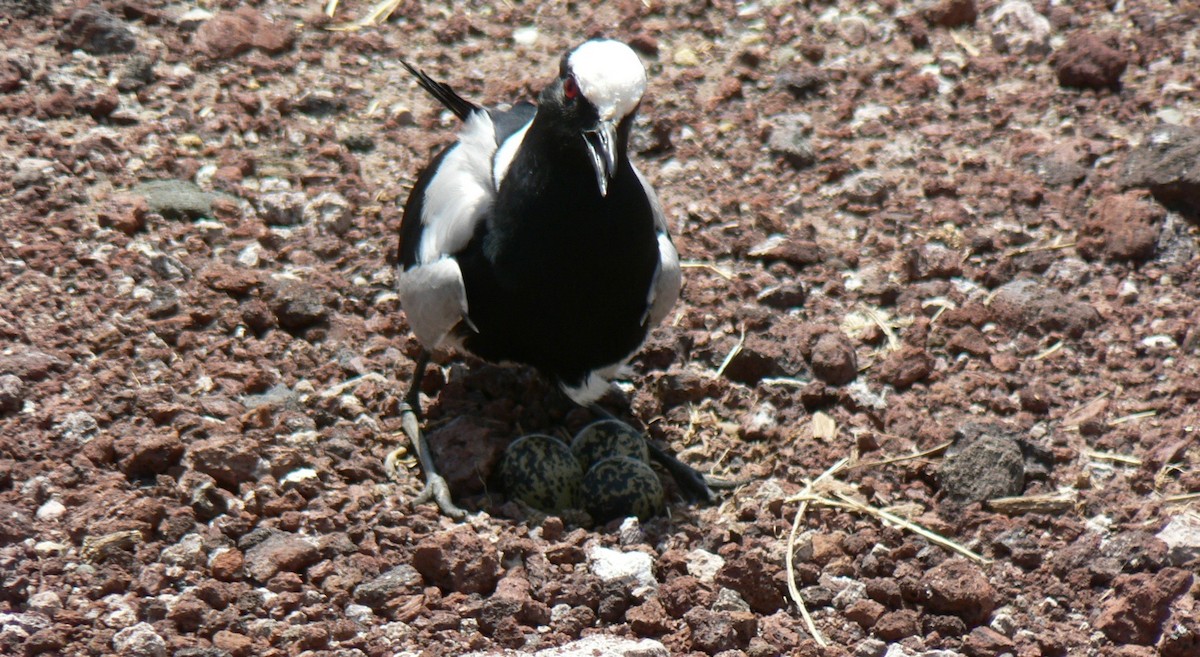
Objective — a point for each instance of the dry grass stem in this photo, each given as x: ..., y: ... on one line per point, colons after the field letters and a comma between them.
x: 1039, y: 247
x: 892, y: 339
x: 737, y: 349
x: 1049, y: 352
x: 719, y: 271
x: 789, y: 557
x: 1043, y: 504
x: 1117, y: 458
x: 1133, y: 416
x: 936, y: 449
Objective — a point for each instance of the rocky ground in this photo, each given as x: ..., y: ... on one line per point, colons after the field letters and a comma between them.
x: 954, y: 243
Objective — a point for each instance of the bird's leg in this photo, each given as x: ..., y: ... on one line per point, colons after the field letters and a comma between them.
x: 436, y: 488
x: 695, y: 486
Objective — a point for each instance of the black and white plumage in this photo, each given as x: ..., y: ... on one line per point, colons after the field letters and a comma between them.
x: 533, y: 239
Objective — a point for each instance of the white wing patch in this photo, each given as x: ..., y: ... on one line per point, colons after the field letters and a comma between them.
x: 506, y: 153
x: 434, y: 299
x: 668, y: 277
x: 460, y: 192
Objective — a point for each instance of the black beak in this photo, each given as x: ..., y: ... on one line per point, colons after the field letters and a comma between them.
x: 602, y: 147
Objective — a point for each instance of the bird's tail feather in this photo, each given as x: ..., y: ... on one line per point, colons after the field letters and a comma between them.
x: 461, y: 107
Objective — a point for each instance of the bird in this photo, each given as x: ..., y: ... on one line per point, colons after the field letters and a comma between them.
x: 533, y: 239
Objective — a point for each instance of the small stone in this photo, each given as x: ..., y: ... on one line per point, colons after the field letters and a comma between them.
x: 139, y: 641
x: 234, y: 281
x: 95, y: 31
x: 1182, y: 536
x: 834, y: 360
x: 230, y: 460
x: 1141, y: 603
x: 525, y: 36
x: 1018, y: 28
x: 187, y: 553
x: 458, y: 560
x: 229, y: 34
x: 603, y: 645
x: 378, y: 592
x: 789, y: 139
x: 704, y: 565
x: 960, y: 588
x: 686, y: 57
x: 78, y: 427
x: 330, y: 210
x: 299, y: 305
x: 12, y: 393
x: 1027, y: 306
x: 986, y: 642
x: 237, y: 645
x: 178, y: 200
x: 1165, y: 164
x: 796, y: 252
x: 787, y: 295
x: 752, y: 574
x: 865, y: 191
x: 467, y: 451
x: 898, y: 624
x: 148, y: 454
x: 32, y: 171
x: 51, y: 511
x: 990, y: 466
x: 1122, y: 228
x: 649, y: 619
x: 970, y: 340
x: 854, y: 30
x: 905, y: 366
x: 711, y: 631
x: 611, y: 565
x: 865, y: 613
x: 137, y: 73
x: 280, y: 551
x: 46, y: 603
x: 1089, y: 61
x: 31, y: 365
x: 226, y: 565
x: 951, y: 13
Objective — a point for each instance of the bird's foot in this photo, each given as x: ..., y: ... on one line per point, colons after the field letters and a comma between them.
x: 436, y: 489
x: 694, y: 486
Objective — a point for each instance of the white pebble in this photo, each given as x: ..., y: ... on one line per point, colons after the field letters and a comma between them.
x: 525, y: 36
x: 50, y: 511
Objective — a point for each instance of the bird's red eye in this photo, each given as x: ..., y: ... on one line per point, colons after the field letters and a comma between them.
x: 570, y: 88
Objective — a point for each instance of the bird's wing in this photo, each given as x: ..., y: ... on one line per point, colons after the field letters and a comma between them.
x: 461, y: 107
x: 450, y: 197
x: 668, y: 277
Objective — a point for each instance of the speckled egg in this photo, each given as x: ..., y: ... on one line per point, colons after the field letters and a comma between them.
x: 600, y: 440
x: 542, y: 472
x: 619, y: 487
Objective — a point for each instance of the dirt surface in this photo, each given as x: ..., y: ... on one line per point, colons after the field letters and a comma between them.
x: 953, y: 242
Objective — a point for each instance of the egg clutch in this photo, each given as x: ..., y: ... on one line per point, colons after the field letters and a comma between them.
x: 605, y: 472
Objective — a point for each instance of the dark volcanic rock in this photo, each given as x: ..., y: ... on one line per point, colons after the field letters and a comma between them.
x: 1123, y: 227
x: 95, y: 31
x: 1165, y: 163
x: 1026, y: 306
x: 1090, y: 62
x: 987, y: 467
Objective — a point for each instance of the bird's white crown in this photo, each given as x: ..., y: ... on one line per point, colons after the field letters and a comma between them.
x: 609, y: 75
